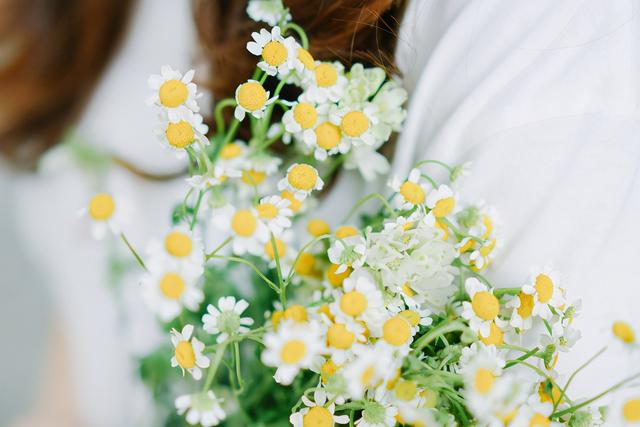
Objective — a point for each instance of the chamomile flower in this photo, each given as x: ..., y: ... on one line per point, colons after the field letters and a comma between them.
x: 497, y: 331
x: 174, y: 92
x: 180, y: 245
x: 372, y: 366
x: 201, y: 408
x: 251, y: 98
x: 563, y: 336
x: 359, y: 300
x: 441, y: 201
x: 270, y: 11
x: 341, y: 337
x: 317, y: 412
x: 327, y: 140
x: 103, y: 212
x: 300, y: 120
x: 481, y: 257
x: 546, y: 293
x: 625, y: 409
x: 278, y: 54
x: 376, y: 414
x: 412, y: 192
x: 170, y: 286
x: 483, y: 308
x: 249, y: 232
x: 358, y: 126
x: 293, y: 346
x: 188, y: 352
x: 180, y: 134
x: 367, y: 161
x: 326, y: 83
x: 301, y: 180
x: 216, y: 175
x: 534, y: 413
x: 275, y: 213
x: 226, y: 319
x: 233, y: 156
x: 258, y: 167
x: 398, y: 332
x: 481, y: 368
x: 522, y: 314
x: 624, y: 332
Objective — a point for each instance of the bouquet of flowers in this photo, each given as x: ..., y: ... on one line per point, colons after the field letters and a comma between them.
x: 273, y: 317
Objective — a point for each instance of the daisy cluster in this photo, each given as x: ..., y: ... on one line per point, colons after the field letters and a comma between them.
x: 382, y: 321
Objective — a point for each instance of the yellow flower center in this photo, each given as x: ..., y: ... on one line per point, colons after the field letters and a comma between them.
x: 327, y: 135
x: 185, y: 356
x: 484, y: 380
x: 345, y: 231
x: 297, y: 313
x: 267, y: 210
x: 172, y: 286
x: 624, y: 332
x: 326, y: 75
x: 305, y: 264
x: 252, y: 96
x: 281, y: 247
x: 337, y: 279
x: 396, y: 331
x: 407, y: 290
x: 539, y: 420
x: 253, y: 177
x: 318, y: 227
x: 101, y: 207
x: 173, y: 93
x: 412, y: 192
x: 293, y: 352
x: 244, y: 223
x: 230, y: 151
x: 544, y: 288
x: 294, y: 204
x: 354, y: 123
x: 444, y: 207
x: 485, y: 305
x: 526, y: 305
x: 179, y: 135
x: 305, y: 115
x: 353, y: 303
x: 327, y: 370
x: 324, y: 309
x: 317, y: 417
x: 302, y: 177
x: 406, y: 390
x: 631, y: 410
x: 496, y: 336
x: 412, y: 317
x: 178, y: 244
x: 274, y: 53
x: 340, y: 337
x: 305, y: 57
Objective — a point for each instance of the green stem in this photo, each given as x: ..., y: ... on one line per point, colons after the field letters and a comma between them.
x: 253, y: 267
x: 133, y: 251
x: 426, y: 339
x: 302, y: 250
x: 364, y: 200
x: 563, y: 392
x: 304, y: 40
x: 196, y: 209
x: 506, y: 291
x: 217, y: 249
x: 214, y: 366
x: 220, y: 125
x: 281, y: 282
x: 435, y: 162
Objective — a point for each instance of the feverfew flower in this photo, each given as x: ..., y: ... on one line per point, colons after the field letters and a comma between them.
x: 278, y: 54
x: 249, y: 232
x: 104, y: 215
x: 317, y: 412
x: 188, y: 128
x: 270, y: 11
x: 174, y: 92
x: 292, y: 347
x: 226, y: 320
x: 181, y: 245
x: 372, y: 366
x: 300, y: 121
x: 412, y: 192
x: 441, y: 201
x: 625, y: 409
x: 252, y: 98
x: 535, y: 413
x: 188, y: 352
x: 201, y: 408
x: 326, y: 82
x: 522, y: 314
x: 301, y: 180
x: 360, y: 300
x: 546, y: 293
x: 275, y: 213
x: 624, y: 332
x: 483, y: 308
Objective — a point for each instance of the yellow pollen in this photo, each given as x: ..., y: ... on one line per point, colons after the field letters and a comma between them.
x: 230, y: 151
x: 345, y: 231
x: 274, y: 53
x: 243, y: 223
x: 294, y: 204
x: 539, y: 420
x: 178, y: 244
x: 353, y: 303
x: 302, y: 177
x: 185, y: 356
x: 406, y: 390
x: 396, y: 331
x: 297, y: 313
x: 267, y: 210
x: 412, y: 193
x: 305, y: 265
x: 485, y: 305
x: 305, y: 115
x: 354, y: 123
x: 631, y: 410
x: 317, y: 416
x: 251, y: 96
x: 544, y: 288
x: 484, y: 381
x: 318, y: 227
x: 624, y: 332
x: 281, y: 247
x: 340, y: 337
x: 407, y: 290
x: 327, y: 135
x: 173, y: 93
x: 172, y: 286
x: 101, y: 207
x: 253, y: 177
x: 179, y: 135
x: 293, y: 351
x: 327, y: 370
x: 496, y: 336
x: 526, y: 305
x: 444, y: 207
x: 412, y: 316
x: 337, y: 279
x: 326, y: 75
x: 305, y: 57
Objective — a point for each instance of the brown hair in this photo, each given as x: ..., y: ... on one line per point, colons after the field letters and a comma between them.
x: 57, y: 49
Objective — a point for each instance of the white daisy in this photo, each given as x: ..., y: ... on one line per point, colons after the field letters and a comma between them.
x: 300, y: 121
x: 317, y: 412
x: 180, y: 134
x: 358, y: 126
x: 522, y: 314
x: 233, y: 156
x: 483, y: 308
x: 348, y: 252
x: 173, y: 91
x: 301, y: 180
x: 252, y: 98
x: 216, y: 175
x: 441, y: 201
x: 248, y: 231
x: 272, y: 12
x: 275, y: 213
x: 372, y: 366
x: 188, y: 352
x: 359, y: 300
x: 341, y: 337
x: 104, y: 214
x: 411, y: 192
x: 278, y: 54
x: 482, y: 257
x: 181, y: 245
x: 226, y: 320
x: 624, y: 332
x: 625, y: 409
x: 535, y: 414
x: 546, y: 292
x: 326, y: 82
x: 201, y: 408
